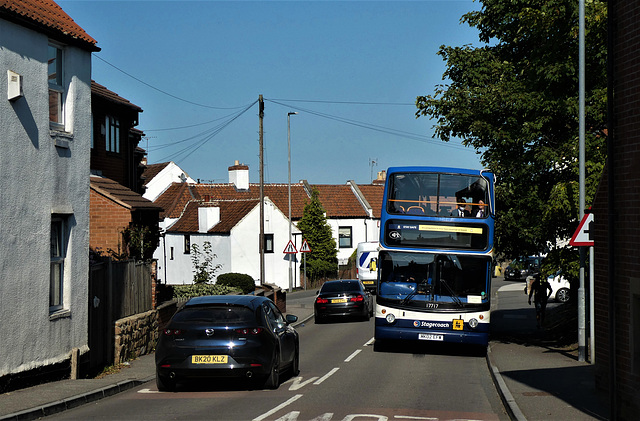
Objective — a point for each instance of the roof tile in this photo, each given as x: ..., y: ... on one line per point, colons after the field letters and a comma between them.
x: 47, y: 14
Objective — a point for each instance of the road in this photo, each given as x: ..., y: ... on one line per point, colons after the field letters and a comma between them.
x: 341, y: 378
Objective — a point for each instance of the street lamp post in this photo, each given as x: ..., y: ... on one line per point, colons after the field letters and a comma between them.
x: 289, y: 114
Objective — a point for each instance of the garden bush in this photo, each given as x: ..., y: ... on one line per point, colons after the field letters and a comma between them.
x: 243, y: 282
x: 198, y: 290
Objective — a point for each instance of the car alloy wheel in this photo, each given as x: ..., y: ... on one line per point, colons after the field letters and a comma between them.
x: 563, y: 295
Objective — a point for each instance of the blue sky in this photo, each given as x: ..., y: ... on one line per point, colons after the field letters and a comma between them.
x: 351, y: 69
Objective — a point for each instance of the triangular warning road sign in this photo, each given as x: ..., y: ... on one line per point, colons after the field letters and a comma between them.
x: 583, y: 235
x: 305, y: 247
x: 290, y: 249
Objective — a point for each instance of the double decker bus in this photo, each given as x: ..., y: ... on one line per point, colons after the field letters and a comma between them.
x: 435, y: 257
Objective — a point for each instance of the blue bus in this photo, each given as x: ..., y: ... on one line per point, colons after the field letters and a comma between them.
x: 435, y: 256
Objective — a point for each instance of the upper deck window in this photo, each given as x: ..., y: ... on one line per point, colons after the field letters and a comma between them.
x: 432, y: 194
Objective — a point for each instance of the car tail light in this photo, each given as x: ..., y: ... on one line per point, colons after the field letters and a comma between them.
x: 357, y: 298
x: 173, y: 332
x: 249, y: 331
x: 322, y: 300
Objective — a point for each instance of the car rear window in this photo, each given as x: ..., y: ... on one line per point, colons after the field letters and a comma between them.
x: 216, y: 314
x: 340, y: 287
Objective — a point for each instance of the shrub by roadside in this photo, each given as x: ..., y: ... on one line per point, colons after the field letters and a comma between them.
x: 237, y: 280
x: 182, y: 292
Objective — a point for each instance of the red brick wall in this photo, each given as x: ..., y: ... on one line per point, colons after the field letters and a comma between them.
x: 107, y: 221
x: 621, y: 253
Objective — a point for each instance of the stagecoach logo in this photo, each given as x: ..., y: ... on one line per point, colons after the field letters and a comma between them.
x: 209, y: 332
x: 416, y: 323
x: 395, y: 235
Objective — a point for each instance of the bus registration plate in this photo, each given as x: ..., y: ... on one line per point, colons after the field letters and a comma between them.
x: 209, y: 359
x: 430, y: 337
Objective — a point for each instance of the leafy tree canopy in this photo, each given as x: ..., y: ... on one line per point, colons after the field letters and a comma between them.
x: 322, y: 261
x: 515, y: 100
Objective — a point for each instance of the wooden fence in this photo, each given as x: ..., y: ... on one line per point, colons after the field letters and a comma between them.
x: 116, y: 290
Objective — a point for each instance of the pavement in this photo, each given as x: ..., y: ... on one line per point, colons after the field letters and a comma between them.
x: 536, y: 371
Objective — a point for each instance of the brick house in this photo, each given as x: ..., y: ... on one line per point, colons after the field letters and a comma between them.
x: 617, y: 224
x: 353, y: 212
x: 115, y: 209
x: 118, y: 209
x: 44, y: 218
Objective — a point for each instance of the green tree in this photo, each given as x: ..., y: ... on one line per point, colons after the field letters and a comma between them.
x: 203, y: 267
x: 322, y: 261
x: 515, y: 100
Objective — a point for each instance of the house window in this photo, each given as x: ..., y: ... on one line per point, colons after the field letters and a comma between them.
x: 268, y: 243
x: 58, y: 254
x: 56, y: 86
x: 187, y: 244
x: 344, y: 237
x: 112, y: 125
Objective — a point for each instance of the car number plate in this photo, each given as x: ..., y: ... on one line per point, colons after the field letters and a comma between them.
x: 339, y: 300
x: 430, y: 337
x: 209, y: 359
x: 367, y: 282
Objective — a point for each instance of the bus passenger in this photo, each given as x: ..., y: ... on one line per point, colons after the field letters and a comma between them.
x: 461, y: 211
x: 480, y: 212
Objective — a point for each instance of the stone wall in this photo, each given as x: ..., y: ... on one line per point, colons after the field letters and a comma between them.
x: 135, y: 335
x: 138, y: 334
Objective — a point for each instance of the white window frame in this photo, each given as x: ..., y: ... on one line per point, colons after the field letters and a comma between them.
x: 58, y: 253
x: 187, y: 244
x: 57, y: 91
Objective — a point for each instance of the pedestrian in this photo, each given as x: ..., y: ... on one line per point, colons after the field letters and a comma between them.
x: 538, y: 289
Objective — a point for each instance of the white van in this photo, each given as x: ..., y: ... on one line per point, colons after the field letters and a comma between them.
x: 367, y: 264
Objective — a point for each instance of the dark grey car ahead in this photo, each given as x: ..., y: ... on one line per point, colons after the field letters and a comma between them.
x: 227, y: 336
x: 345, y: 297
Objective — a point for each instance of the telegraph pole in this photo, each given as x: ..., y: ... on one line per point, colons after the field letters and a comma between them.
x: 261, y: 118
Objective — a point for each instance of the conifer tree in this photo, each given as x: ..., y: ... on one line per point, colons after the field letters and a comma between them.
x: 322, y: 261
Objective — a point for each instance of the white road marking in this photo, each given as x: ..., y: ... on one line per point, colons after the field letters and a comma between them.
x: 326, y: 376
x: 277, y: 408
x: 370, y: 342
x: 350, y: 357
x: 297, y: 383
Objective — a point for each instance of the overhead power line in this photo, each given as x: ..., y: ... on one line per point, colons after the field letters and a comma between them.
x: 368, y: 126
x: 184, y: 153
x: 162, y: 91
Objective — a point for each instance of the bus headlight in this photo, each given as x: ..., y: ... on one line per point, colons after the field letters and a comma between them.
x: 473, y: 323
x: 391, y: 318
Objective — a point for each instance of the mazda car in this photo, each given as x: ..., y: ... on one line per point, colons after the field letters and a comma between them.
x: 242, y: 336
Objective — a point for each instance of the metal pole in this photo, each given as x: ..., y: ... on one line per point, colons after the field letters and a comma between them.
x: 592, y: 307
x: 261, y: 118
x: 289, y: 114
x: 581, y: 159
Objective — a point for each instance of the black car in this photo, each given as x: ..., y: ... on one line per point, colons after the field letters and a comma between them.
x: 241, y: 336
x: 522, y: 267
x: 345, y: 297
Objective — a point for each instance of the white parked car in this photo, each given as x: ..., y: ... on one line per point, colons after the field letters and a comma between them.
x: 561, y: 288
x: 559, y: 284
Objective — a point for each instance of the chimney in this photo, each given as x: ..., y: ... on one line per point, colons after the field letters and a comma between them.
x: 239, y: 176
x: 382, y: 176
x: 208, y: 217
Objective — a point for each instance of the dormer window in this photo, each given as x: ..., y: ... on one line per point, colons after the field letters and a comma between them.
x: 56, y: 86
